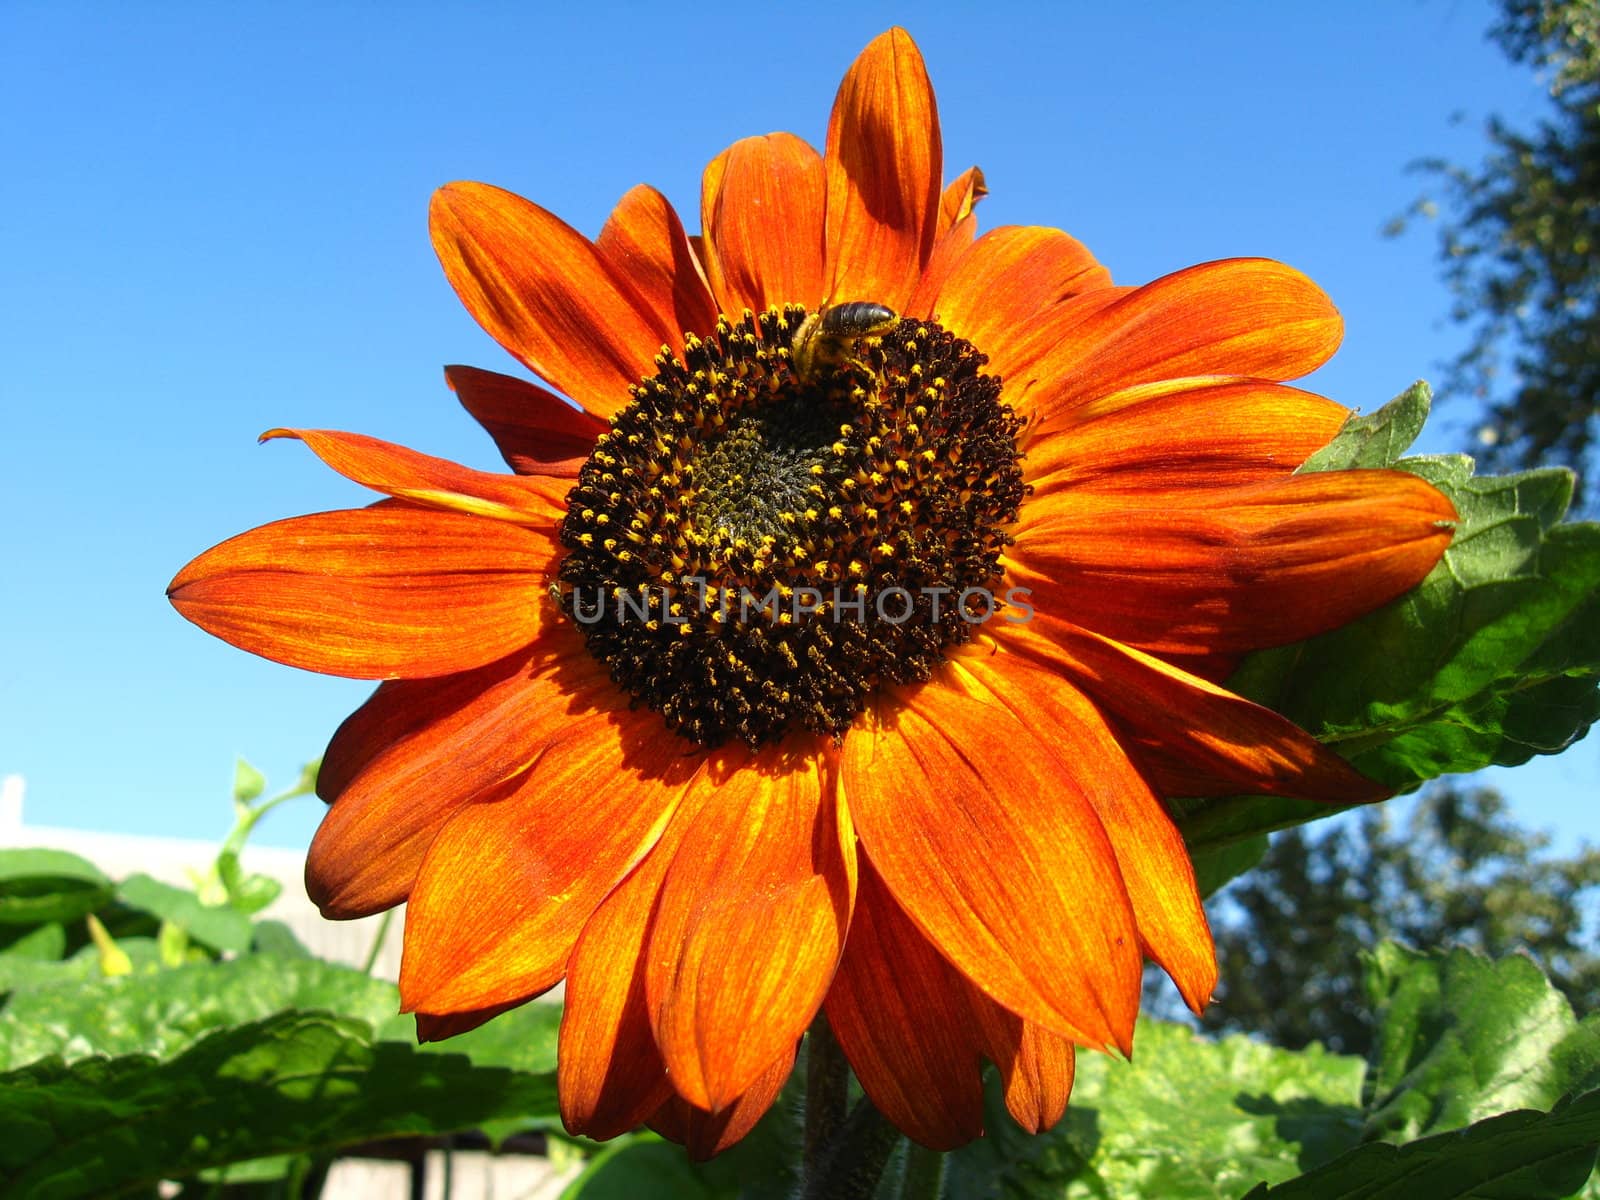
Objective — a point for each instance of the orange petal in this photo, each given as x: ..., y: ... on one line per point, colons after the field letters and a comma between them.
x: 372, y: 593
x: 1251, y: 748
x: 901, y: 1016
x: 432, y: 1027
x: 1008, y: 277
x: 644, y: 242
x: 997, y: 855
x: 1017, y: 358
x: 1036, y: 1066
x: 960, y: 198
x: 418, y: 751
x: 541, y: 290
x: 947, y: 252
x: 508, y: 885
x: 761, y: 205
x: 1216, y: 432
x: 1247, y: 316
x: 751, y: 920
x: 1150, y: 852
x: 610, y: 1076
x: 436, y: 482
x: 1236, y: 569
x: 708, y: 1134
x: 884, y: 163
x: 537, y: 432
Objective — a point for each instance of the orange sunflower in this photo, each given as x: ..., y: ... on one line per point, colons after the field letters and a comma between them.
x: 824, y: 664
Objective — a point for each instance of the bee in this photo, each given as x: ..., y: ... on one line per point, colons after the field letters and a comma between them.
x: 828, y: 337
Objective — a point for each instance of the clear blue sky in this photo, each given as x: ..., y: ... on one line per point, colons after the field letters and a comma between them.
x: 215, y: 223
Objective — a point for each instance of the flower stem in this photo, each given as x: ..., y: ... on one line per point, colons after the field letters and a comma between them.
x: 851, y: 1166
x: 924, y: 1178
x: 844, y: 1156
x: 827, y: 1092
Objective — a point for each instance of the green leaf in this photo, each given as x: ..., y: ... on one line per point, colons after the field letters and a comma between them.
x: 1379, y: 438
x: 274, y: 937
x: 41, y: 886
x: 1216, y: 865
x: 1461, y: 1037
x: 221, y: 927
x: 640, y: 1165
x: 46, y: 943
x: 1187, y: 1119
x: 1515, y: 1156
x: 163, y: 1012
x: 292, y: 1083
x: 248, y: 783
x: 247, y: 893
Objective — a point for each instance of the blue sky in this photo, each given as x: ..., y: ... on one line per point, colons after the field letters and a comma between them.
x: 215, y: 223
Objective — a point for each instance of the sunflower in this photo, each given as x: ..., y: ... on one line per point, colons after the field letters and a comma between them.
x: 835, y: 655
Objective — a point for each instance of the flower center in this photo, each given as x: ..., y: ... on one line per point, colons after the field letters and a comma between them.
x: 757, y: 545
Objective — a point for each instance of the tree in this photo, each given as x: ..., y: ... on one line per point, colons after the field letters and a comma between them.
x: 1519, y: 245
x: 1456, y: 868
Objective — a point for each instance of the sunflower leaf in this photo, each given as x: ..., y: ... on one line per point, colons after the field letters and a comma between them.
x: 1520, y: 1155
x: 38, y: 887
x: 291, y: 1083
x: 1462, y: 1037
x: 222, y: 927
x: 1379, y: 438
x: 1187, y: 1119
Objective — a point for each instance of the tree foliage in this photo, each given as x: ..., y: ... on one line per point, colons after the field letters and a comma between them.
x: 1454, y: 869
x: 1519, y: 244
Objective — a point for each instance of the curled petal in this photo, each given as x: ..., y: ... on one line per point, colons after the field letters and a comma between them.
x: 884, y: 162
x: 644, y: 242
x: 1236, y: 569
x: 1225, y: 736
x: 960, y: 198
x: 1246, y: 316
x: 541, y: 290
x: 761, y: 205
x: 507, y: 885
x: 373, y: 593
x: 997, y: 855
x: 750, y: 922
x: 536, y: 432
x: 435, y: 482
